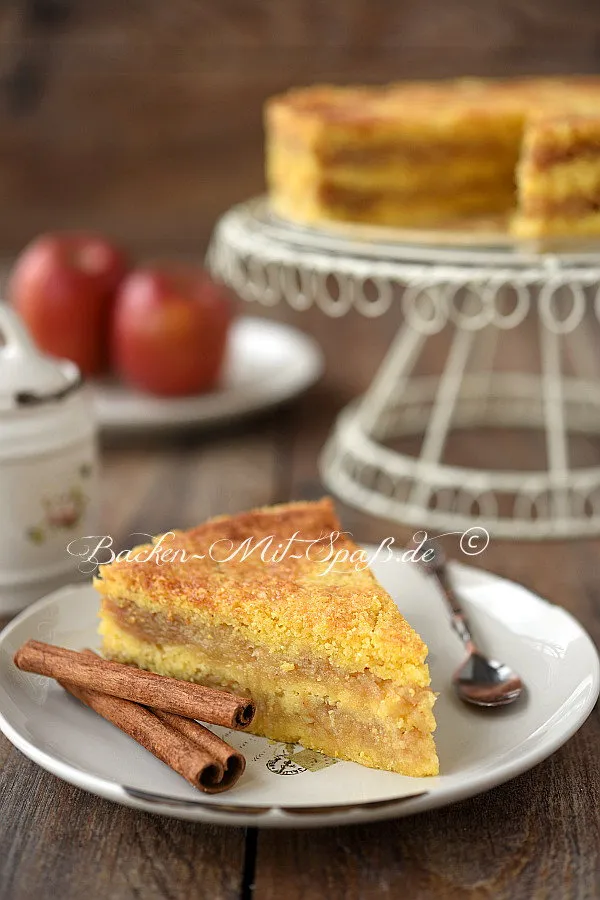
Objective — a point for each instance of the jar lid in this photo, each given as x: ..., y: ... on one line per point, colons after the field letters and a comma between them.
x: 28, y: 376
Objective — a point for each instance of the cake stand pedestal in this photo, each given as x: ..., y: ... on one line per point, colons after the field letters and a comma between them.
x: 477, y: 296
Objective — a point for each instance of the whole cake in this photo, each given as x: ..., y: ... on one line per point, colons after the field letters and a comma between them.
x: 322, y: 650
x: 430, y: 153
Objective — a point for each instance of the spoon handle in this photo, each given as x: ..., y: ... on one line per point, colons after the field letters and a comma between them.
x: 458, y: 620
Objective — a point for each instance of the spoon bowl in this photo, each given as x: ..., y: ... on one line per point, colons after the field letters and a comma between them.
x: 486, y: 682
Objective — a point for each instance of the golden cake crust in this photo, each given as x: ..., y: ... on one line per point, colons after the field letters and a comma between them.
x: 463, y: 98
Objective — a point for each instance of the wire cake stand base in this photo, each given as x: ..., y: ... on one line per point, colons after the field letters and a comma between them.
x: 469, y: 302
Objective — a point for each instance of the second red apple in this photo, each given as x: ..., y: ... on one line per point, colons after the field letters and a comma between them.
x: 169, y: 330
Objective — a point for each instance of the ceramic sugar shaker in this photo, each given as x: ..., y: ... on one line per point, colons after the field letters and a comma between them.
x: 48, y: 467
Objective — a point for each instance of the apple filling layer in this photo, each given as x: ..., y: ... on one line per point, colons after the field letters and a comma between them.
x: 210, y: 648
x: 287, y: 710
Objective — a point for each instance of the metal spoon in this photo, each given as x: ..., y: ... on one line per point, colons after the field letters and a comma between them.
x: 482, y: 681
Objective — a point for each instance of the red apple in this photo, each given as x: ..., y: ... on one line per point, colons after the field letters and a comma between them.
x: 63, y: 286
x: 170, y: 329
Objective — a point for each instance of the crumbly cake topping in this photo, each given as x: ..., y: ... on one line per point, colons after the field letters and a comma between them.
x: 344, y: 614
x: 465, y: 97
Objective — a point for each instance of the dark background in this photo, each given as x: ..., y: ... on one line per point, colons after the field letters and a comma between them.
x: 142, y: 118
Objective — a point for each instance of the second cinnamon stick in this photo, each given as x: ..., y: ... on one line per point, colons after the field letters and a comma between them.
x: 197, y: 754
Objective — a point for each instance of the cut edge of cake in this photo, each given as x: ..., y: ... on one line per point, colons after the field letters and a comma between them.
x: 559, y: 177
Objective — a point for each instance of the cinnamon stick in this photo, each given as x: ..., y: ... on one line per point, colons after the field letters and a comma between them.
x: 230, y: 760
x: 193, y: 751
x: 92, y: 673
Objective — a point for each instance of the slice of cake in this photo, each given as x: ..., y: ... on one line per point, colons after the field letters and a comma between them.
x: 559, y: 177
x: 254, y: 603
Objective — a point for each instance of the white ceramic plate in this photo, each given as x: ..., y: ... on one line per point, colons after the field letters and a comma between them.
x: 478, y: 748
x: 267, y: 363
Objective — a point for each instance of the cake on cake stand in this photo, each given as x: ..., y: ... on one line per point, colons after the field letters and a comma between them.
x: 476, y: 292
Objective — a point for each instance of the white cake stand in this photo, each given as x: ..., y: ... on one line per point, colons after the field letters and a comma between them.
x: 480, y: 295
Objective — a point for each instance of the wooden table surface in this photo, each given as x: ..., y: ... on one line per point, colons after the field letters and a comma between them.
x: 537, y: 836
